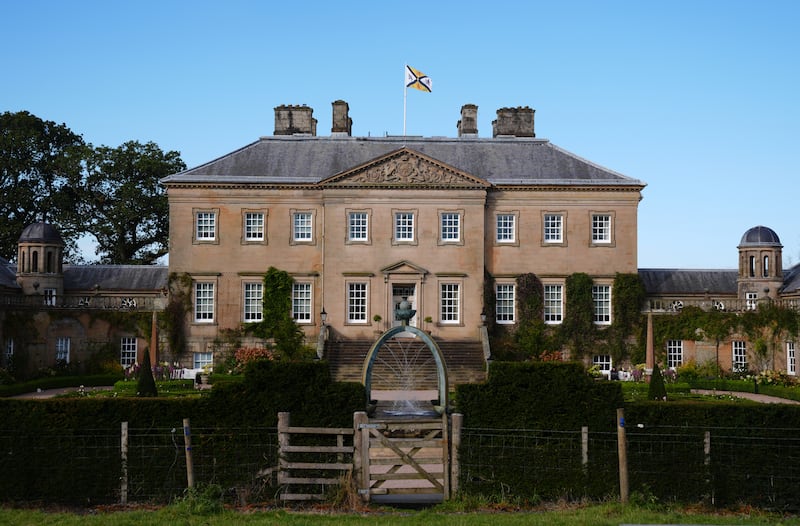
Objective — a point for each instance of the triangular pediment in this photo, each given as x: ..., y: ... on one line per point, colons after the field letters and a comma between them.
x: 404, y: 267
x: 405, y: 168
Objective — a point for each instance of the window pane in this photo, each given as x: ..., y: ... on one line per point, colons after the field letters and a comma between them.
x: 450, y: 303
x: 253, y: 299
x: 206, y: 226
x: 357, y: 302
x: 451, y: 226
x: 504, y: 305
x: 505, y: 228
x: 302, y: 226
x: 357, y: 226
x: 404, y: 226
x: 204, y: 302
x: 674, y: 353
x: 254, y: 226
x: 601, y: 294
x: 553, y: 309
x: 301, y: 302
x: 552, y: 228
x: 127, y: 352
x: 62, y: 350
x: 791, y: 359
x: 601, y: 228
x: 203, y: 359
x: 739, y: 356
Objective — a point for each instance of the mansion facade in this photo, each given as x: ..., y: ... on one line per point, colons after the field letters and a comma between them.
x: 362, y: 223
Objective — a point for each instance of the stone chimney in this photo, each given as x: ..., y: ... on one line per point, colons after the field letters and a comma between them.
x: 514, y: 122
x: 342, y: 123
x: 468, y: 125
x: 295, y: 120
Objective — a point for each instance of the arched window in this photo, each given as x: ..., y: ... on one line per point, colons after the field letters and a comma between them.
x: 49, y: 262
x: 766, y: 266
x: 35, y: 261
x: 22, y: 261
x: 752, y: 266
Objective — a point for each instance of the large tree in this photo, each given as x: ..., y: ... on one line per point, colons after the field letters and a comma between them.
x: 40, y: 171
x: 123, y: 205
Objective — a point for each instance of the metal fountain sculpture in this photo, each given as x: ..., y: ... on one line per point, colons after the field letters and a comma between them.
x: 402, y: 346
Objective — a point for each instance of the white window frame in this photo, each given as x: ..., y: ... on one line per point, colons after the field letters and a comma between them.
x: 63, y: 344
x: 201, y: 360
x: 204, y: 301
x: 358, y: 226
x: 791, y: 359
x: 8, y: 352
x: 404, y: 229
x: 505, y: 228
x: 738, y: 356
x: 553, y: 303
x: 50, y: 297
x: 674, y: 354
x: 601, y: 297
x: 751, y: 300
x: 205, y: 226
x: 302, y: 226
x: 255, y: 226
x: 450, y: 303
x: 128, y: 351
x: 302, y: 300
x: 602, y: 223
x: 450, y: 228
x: 604, y: 363
x: 553, y: 228
x: 505, y: 303
x: 357, y: 302
x: 252, y: 301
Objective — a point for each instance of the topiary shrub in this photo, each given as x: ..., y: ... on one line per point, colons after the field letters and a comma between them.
x: 657, y: 390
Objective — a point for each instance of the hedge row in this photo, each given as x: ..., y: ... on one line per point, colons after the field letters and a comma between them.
x: 58, y: 382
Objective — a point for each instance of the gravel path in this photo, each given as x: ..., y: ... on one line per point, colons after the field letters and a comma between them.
x: 764, y: 399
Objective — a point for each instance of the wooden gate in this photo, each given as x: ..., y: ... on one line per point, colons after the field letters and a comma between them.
x: 403, y: 457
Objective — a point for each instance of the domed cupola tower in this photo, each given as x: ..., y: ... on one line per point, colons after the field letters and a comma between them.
x: 40, y: 254
x: 760, y: 264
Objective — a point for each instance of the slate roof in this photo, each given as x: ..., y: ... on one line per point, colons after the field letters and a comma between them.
x: 679, y: 281
x: 791, y: 280
x: 115, y: 277
x: 8, y: 275
x: 310, y: 159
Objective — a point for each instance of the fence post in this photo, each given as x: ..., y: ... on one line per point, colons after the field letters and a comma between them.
x: 123, y: 448
x: 623, y: 456
x: 284, y: 422
x: 455, y: 445
x: 361, y: 453
x: 187, y: 440
x: 585, y: 448
x: 707, y: 464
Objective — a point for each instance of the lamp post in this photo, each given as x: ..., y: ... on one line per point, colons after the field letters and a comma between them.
x: 323, y: 316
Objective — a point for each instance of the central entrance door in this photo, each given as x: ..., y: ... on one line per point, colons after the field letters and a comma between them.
x: 407, y: 291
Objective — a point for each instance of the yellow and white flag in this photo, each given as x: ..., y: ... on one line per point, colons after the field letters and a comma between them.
x: 417, y: 80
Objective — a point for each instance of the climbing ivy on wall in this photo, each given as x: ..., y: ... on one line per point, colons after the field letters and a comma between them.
x: 277, y: 322
x: 578, y: 329
x: 174, y: 317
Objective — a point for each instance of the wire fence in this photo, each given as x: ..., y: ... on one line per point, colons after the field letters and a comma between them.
x: 717, y: 465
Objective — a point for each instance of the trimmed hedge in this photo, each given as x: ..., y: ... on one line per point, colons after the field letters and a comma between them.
x: 58, y: 382
x: 67, y: 449
x: 539, y: 395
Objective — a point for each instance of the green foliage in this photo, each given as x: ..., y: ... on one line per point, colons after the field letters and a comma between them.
x: 656, y: 389
x: 40, y: 172
x: 147, y: 384
x: 203, y: 499
x: 578, y: 329
x: 123, y: 204
x: 277, y: 322
x: 174, y: 316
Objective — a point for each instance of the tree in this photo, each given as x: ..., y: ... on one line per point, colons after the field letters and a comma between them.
x: 40, y: 171
x: 123, y: 205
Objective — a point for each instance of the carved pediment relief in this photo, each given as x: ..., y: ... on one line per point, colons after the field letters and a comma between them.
x: 404, y: 268
x: 405, y: 168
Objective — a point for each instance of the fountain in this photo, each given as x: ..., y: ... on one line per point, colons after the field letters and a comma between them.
x: 404, y: 372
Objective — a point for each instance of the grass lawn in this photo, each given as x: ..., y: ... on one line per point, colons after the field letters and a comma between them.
x: 596, y: 514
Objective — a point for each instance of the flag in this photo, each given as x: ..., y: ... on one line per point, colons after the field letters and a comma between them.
x: 417, y: 80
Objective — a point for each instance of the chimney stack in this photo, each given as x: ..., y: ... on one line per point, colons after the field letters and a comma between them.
x: 342, y: 123
x: 295, y: 120
x: 468, y: 124
x: 514, y: 122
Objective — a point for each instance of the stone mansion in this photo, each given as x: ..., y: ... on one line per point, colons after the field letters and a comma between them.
x: 361, y: 223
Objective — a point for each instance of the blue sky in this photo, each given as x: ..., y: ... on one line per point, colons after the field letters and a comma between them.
x: 699, y: 98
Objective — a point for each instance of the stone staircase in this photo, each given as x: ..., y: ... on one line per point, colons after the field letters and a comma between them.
x: 464, y: 361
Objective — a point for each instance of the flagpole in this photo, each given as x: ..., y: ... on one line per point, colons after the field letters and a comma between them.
x: 405, y: 97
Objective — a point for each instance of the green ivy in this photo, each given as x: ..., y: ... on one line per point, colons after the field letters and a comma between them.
x: 277, y: 322
x: 578, y: 330
x: 174, y: 317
